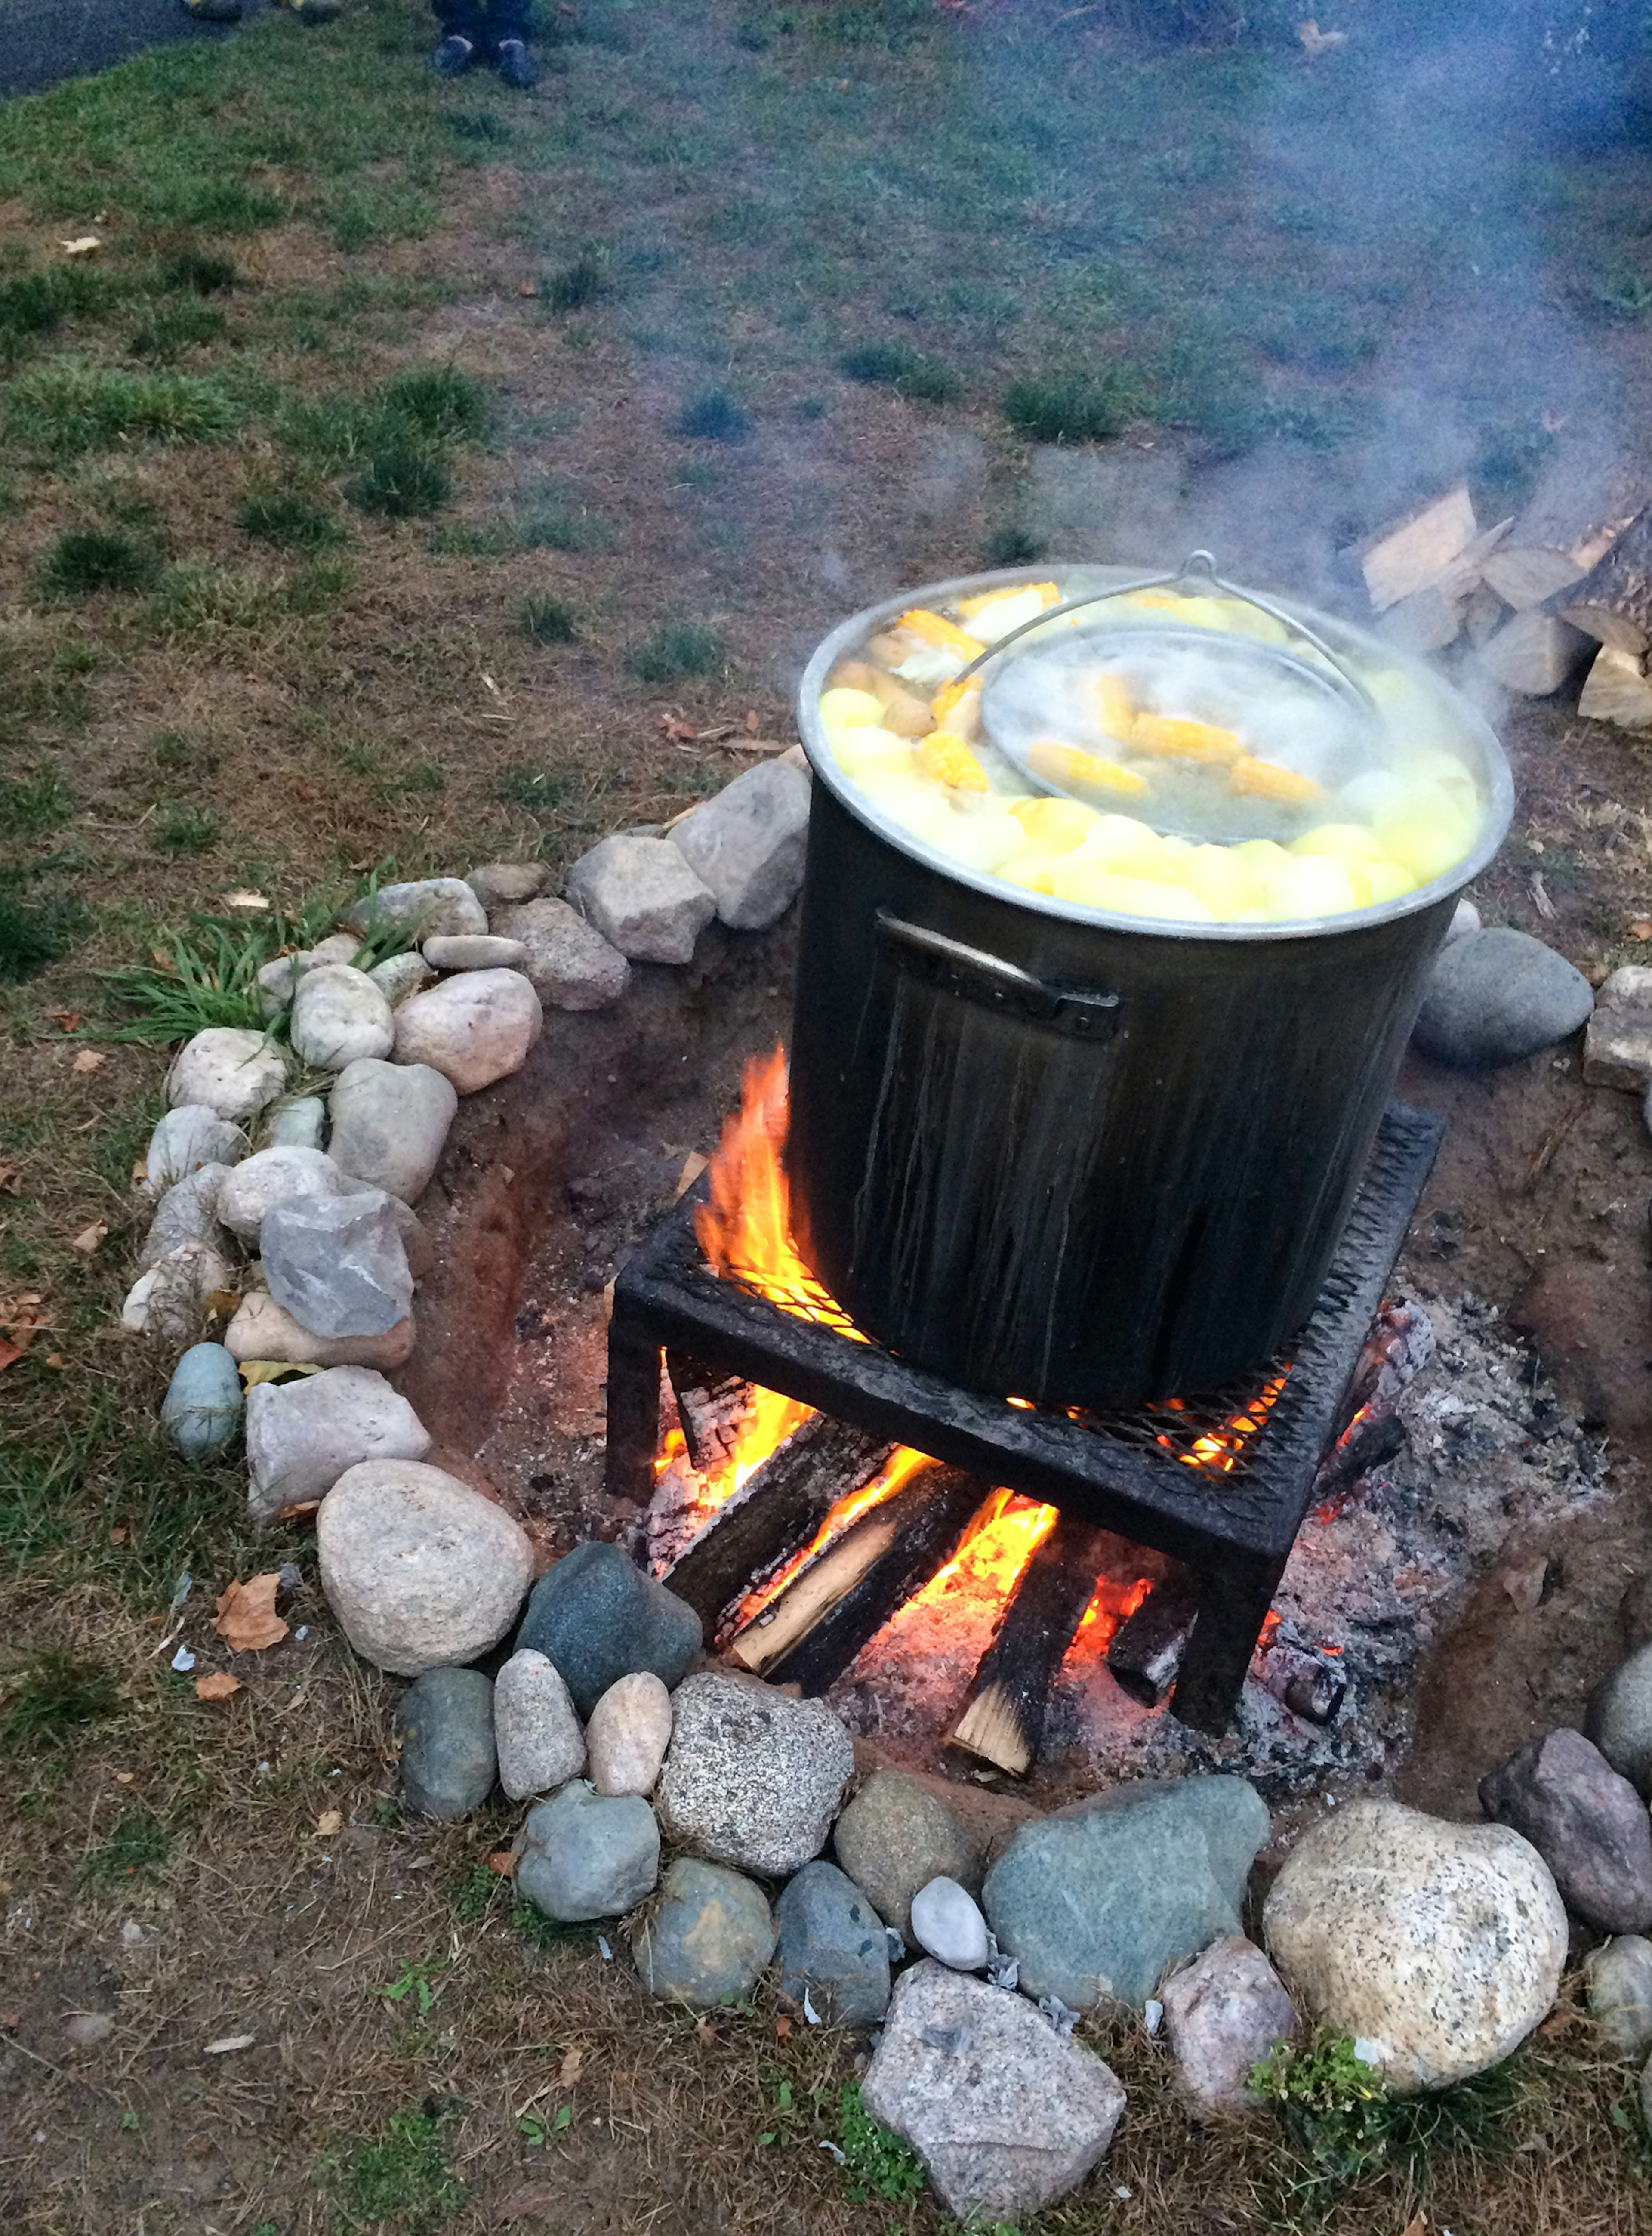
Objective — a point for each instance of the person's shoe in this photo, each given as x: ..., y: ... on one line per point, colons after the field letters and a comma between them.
x: 213, y: 11
x: 516, y: 65
x: 452, y: 57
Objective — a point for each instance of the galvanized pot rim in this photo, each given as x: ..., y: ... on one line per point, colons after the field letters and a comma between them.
x: 1494, y: 772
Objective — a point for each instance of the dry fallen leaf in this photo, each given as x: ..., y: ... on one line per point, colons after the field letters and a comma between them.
x: 88, y: 1238
x: 782, y: 2028
x: 218, y: 1687
x: 1524, y: 1584
x: 55, y: 1359
x: 329, y: 1822
x: 705, y: 2030
x: 9, y: 1173
x: 89, y: 1059
x: 569, y: 2072
x: 84, y: 244
x: 751, y: 722
x: 118, y: 1535
x: 503, y: 1860
x: 299, y: 1510
x: 246, y: 1619
x: 67, y: 1018
x: 254, y: 1371
x: 528, y: 287
x: 693, y: 1164
x: 1640, y: 928
x: 10, y: 1354
x: 674, y: 727
x: 1418, y: 2225
x: 126, y: 1777
x: 240, y: 900
x: 228, y: 2042
x: 223, y: 1303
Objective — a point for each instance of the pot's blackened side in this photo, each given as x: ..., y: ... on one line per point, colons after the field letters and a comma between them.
x: 1044, y: 1194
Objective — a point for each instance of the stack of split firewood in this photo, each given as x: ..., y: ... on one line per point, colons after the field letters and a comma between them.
x: 1533, y: 614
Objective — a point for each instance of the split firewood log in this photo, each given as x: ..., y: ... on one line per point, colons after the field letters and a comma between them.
x: 1614, y: 601
x: 1618, y: 690
x: 1413, y: 552
x: 1534, y: 654
x: 1524, y: 575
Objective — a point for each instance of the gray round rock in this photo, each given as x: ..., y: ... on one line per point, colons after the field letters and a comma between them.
x: 833, y: 1947
x: 895, y: 1837
x: 540, y: 1745
x: 585, y: 1856
x: 1494, y: 997
x: 1617, y: 1986
x: 390, y: 1124
x: 445, y: 1723
x: 599, y: 1618
x: 1619, y: 1719
x: 339, y: 1015
x: 1586, y: 1821
x: 419, y: 1568
x: 706, y: 1942
x: 229, y: 1069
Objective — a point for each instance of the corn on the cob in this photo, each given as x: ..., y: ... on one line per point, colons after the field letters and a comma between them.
x: 1047, y: 592
x: 1113, y: 704
x: 945, y: 636
x: 1059, y: 764
x: 949, y: 761
x: 1172, y: 738
x: 1267, y: 780
x: 956, y: 707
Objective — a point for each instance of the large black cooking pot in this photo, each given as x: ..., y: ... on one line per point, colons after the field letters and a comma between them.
x: 1083, y: 1159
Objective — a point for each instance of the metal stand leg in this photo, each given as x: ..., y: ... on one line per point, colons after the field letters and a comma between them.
x: 1233, y: 1606
x: 633, y: 1406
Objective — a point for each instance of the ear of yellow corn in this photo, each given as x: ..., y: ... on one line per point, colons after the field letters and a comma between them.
x: 1267, y: 780
x: 1113, y: 704
x: 945, y: 636
x: 1059, y: 764
x: 949, y: 761
x: 1047, y: 592
x: 1172, y: 738
x: 956, y: 707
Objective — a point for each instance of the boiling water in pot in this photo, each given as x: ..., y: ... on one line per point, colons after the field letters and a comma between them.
x: 1184, y: 757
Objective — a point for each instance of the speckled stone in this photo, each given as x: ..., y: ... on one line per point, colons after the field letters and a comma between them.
x: 1006, y: 2114
x: 1617, y: 1987
x: 753, y: 1779
x: 1223, y: 2014
x: 895, y: 1837
x: 628, y: 1734
x: 1439, y: 1944
x: 540, y: 1745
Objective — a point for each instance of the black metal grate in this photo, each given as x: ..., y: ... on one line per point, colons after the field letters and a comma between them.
x: 1221, y: 1481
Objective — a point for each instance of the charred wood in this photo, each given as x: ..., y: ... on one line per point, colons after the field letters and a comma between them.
x: 1147, y: 1647
x: 710, y: 1405
x: 812, y: 1630
x: 1003, y: 1717
x: 777, y: 1509
x: 1307, y: 1687
x: 1366, y: 1445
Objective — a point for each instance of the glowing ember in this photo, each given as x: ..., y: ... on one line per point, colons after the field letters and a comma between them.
x: 902, y: 1465
x: 993, y: 1558
x: 1220, y: 1449
x: 1114, y: 1603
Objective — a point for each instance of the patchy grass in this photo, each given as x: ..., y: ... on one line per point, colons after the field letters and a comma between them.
x: 53, y: 1697
x: 681, y: 649
x: 75, y: 405
x: 714, y: 417
x: 909, y: 372
x: 401, y: 481
x: 289, y: 518
x: 84, y: 560
x: 547, y: 621
x: 405, y: 2177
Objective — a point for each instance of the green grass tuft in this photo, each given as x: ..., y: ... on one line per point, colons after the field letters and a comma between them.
x: 682, y: 648
x: 168, y: 330
x: 199, y: 272
x: 76, y: 406
x: 287, y: 517
x: 547, y: 621
x: 439, y: 402
x: 85, y: 560
x: 401, y: 481
x: 34, y: 934
x: 52, y: 1697
x: 577, y: 285
x: 877, y: 2163
x: 1013, y: 546
x: 1071, y: 407
x: 538, y: 789
x: 186, y: 830
x: 39, y: 801
x: 714, y: 417
x: 404, y: 2178
x: 138, y: 1842
x: 896, y: 365
x: 209, y: 977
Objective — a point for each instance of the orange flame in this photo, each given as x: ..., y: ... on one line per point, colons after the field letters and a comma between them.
x: 1221, y: 1449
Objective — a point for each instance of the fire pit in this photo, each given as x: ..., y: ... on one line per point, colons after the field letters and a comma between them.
x: 1086, y: 1196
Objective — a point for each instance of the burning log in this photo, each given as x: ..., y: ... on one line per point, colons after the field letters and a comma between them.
x: 1308, y: 1685
x: 1003, y: 1716
x: 711, y: 1406
x: 777, y: 1509
x: 1146, y: 1650
x: 813, y: 1629
x: 1366, y: 1444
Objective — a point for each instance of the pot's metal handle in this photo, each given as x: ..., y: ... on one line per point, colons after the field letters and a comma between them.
x: 1198, y: 576
x: 975, y: 976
